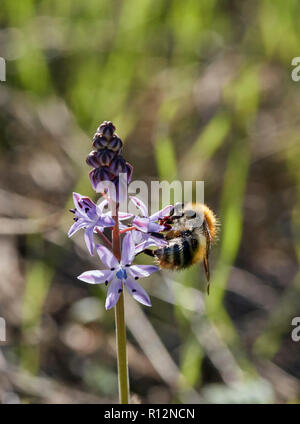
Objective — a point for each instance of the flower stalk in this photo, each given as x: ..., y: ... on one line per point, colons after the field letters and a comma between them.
x: 123, y: 380
x: 127, y: 229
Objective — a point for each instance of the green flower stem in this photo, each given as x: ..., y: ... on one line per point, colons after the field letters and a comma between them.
x: 120, y: 325
x: 121, y: 351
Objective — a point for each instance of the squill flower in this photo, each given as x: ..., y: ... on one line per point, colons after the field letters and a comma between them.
x: 146, y: 223
x: 145, y: 240
x: 90, y: 216
x: 120, y: 274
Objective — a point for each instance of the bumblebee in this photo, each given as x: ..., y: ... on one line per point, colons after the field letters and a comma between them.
x: 190, y: 232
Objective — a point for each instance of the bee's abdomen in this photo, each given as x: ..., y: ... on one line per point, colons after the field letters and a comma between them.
x: 179, y: 253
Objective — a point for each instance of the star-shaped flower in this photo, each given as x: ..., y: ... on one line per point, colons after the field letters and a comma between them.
x: 146, y: 223
x: 120, y: 274
x: 145, y: 240
x: 90, y: 216
x: 148, y: 226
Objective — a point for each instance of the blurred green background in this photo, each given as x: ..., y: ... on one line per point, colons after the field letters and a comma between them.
x: 198, y: 90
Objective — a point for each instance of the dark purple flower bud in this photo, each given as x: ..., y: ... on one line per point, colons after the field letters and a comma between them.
x: 95, y: 177
x: 118, y: 165
x: 129, y: 170
x: 100, y: 142
x: 106, y: 175
x: 92, y: 159
x: 100, y: 174
x: 107, y: 129
x: 105, y: 157
x: 115, y: 144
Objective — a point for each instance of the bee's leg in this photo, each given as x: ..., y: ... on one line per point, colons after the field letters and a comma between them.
x: 158, y: 235
x: 207, y: 236
x: 206, y: 268
x: 148, y: 252
x: 205, y: 260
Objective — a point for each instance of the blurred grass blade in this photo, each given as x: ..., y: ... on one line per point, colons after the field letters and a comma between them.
x: 165, y: 158
x: 38, y: 281
x: 212, y: 137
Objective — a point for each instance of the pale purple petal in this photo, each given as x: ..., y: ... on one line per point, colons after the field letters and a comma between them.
x: 101, y: 206
x: 141, y: 223
x: 87, y: 202
x: 137, y: 292
x: 113, y: 293
x: 105, y: 221
x: 140, y: 204
x: 142, y: 246
x: 127, y: 250
x: 96, y: 276
x: 89, y: 239
x: 85, y: 207
x: 142, y: 271
x: 77, y: 226
x: 163, y: 212
x: 148, y: 243
x: 121, y: 215
x: 108, y: 259
x: 76, y: 198
x: 124, y: 215
x: 138, y: 236
x: 155, y: 228
x: 158, y: 242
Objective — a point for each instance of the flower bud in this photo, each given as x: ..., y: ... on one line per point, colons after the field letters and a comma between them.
x: 105, y: 157
x: 107, y: 160
x: 100, y: 142
x: 115, y: 144
x: 129, y: 170
x: 92, y: 159
x: 107, y: 129
x: 118, y: 165
x: 99, y: 174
